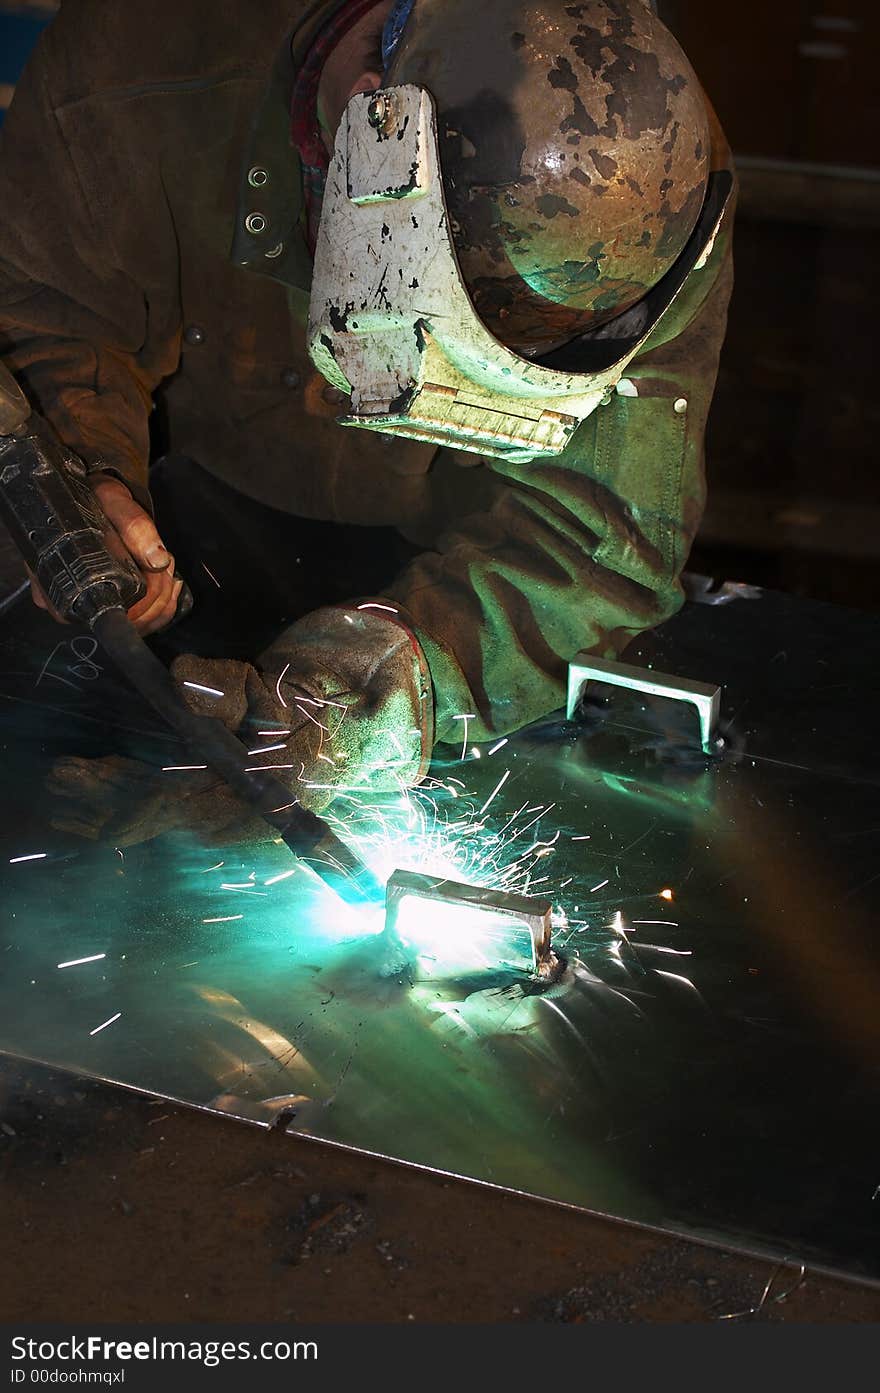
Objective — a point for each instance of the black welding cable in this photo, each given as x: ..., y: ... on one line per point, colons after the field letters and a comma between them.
x: 208, y: 740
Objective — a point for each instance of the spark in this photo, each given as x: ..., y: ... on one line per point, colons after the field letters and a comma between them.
x: 600, y: 886
x: 498, y: 787
x: 243, y: 889
x: 395, y: 739
x: 284, y: 875
x: 667, y: 923
x: 582, y: 839
x: 224, y: 919
x: 267, y: 749
x: 180, y: 768
x: 314, y: 720
x: 77, y: 962
x: 273, y: 732
x: 208, y: 691
x: 500, y: 746
x: 389, y: 608
x: 211, y: 574
x: 281, y: 677
x: 213, y: 868
x: 512, y: 819
x: 436, y: 830
x: 313, y: 701
x: 258, y: 768
x: 541, y: 813
x: 553, y: 840
x: 465, y: 717
x: 106, y: 1023
x: 34, y: 856
x: 675, y: 952
x: 775, y: 1301
x: 666, y: 895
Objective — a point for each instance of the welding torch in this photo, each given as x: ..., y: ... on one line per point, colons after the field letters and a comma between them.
x: 58, y: 526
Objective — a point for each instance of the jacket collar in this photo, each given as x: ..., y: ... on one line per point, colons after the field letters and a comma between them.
x: 269, y: 237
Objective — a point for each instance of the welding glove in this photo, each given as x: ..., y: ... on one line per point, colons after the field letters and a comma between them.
x: 341, y: 702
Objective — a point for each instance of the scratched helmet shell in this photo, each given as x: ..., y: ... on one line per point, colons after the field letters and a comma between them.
x: 575, y: 148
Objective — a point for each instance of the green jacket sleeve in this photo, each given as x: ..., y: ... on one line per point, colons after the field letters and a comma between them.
x: 583, y: 551
x: 87, y: 338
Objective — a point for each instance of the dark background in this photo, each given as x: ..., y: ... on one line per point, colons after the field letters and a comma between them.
x: 794, y: 496
x: 119, y: 1208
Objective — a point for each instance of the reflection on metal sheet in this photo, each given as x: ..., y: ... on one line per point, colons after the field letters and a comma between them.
x: 706, y: 1061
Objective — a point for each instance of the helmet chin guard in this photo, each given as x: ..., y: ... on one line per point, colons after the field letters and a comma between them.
x: 391, y: 321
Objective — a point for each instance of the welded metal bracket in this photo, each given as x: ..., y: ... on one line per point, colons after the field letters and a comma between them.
x: 531, y: 911
x: 704, y: 696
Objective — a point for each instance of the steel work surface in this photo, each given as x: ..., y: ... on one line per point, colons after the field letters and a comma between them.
x: 707, y: 1064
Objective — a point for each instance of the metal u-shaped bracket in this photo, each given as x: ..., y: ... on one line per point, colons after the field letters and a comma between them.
x: 704, y: 696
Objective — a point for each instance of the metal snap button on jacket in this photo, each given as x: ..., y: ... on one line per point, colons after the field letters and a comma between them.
x: 290, y: 378
x: 194, y: 334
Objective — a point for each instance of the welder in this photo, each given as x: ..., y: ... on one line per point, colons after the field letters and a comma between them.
x: 166, y: 188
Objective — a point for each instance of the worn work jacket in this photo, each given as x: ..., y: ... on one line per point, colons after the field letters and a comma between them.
x: 124, y: 164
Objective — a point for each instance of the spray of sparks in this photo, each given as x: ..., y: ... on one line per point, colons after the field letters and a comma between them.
x: 443, y: 829
x: 440, y: 829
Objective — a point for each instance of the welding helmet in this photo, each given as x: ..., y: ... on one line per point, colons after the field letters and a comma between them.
x: 507, y: 219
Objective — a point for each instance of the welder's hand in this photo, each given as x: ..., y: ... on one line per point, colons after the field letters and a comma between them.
x: 41, y: 599
x: 134, y: 532
x: 341, y: 702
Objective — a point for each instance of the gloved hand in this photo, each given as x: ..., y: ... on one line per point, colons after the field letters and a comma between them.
x: 341, y: 702
x: 132, y: 531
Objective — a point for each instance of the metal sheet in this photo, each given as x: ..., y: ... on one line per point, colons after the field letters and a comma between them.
x: 708, y: 1063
